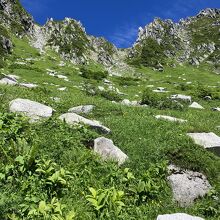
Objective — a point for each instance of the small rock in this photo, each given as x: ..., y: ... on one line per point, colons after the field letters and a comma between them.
x: 169, y: 118
x: 130, y: 103
x: 82, y: 109
x: 196, y: 105
x: 107, y: 150
x: 208, y: 98
x: 62, y: 89
x: 216, y: 109
x: 101, y: 88
x: 28, y: 85
x: 72, y: 118
x: 187, y: 185
x: 181, y: 97
x: 29, y: 108
x: 178, y: 216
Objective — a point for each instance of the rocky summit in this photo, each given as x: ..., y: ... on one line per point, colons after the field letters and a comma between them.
x: 89, y: 131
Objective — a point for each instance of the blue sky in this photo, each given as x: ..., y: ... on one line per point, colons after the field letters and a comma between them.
x: 116, y: 20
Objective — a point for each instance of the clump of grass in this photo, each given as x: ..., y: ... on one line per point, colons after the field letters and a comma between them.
x: 95, y: 75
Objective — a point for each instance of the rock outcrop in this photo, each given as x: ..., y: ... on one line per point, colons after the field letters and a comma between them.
x: 183, y: 41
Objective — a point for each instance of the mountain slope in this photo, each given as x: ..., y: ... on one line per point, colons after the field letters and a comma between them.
x: 193, y: 40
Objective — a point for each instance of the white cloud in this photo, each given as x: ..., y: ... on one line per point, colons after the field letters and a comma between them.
x: 125, y: 35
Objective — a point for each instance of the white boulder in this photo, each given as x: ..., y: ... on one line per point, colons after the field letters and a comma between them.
x: 108, y: 151
x: 178, y: 216
x: 29, y: 108
x: 72, y: 118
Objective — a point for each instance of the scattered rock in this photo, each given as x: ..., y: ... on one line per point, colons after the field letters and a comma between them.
x: 187, y: 186
x: 29, y: 108
x: 72, y: 118
x: 8, y: 81
x: 160, y: 90
x: 178, y: 216
x: 182, y: 97
x: 56, y: 99
x: 169, y: 118
x: 208, y: 98
x: 28, y: 85
x: 216, y: 109
x: 208, y: 140
x: 82, y: 109
x: 196, y: 105
x: 130, y: 103
x: 108, y: 151
x: 62, y: 89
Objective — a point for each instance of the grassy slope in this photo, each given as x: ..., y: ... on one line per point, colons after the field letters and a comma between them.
x: 135, y: 130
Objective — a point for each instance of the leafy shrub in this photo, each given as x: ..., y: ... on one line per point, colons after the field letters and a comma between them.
x: 159, y: 100
x: 110, y: 95
x: 203, y: 91
x: 127, y: 81
x: 96, y: 75
x: 106, y: 201
x: 151, y: 54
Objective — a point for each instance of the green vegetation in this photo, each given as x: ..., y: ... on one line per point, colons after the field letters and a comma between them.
x: 151, y: 55
x: 48, y: 169
x: 90, y: 74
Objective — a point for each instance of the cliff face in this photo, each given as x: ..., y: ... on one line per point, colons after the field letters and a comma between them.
x: 69, y: 38
x: 194, y: 40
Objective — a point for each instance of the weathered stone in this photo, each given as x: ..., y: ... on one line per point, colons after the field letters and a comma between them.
x: 169, y: 118
x: 28, y: 85
x: 8, y: 81
x: 178, y: 216
x: 82, y: 109
x: 72, y: 118
x: 32, y: 109
x: 216, y: 109
x: 208, y: 140
x: 196, y: 105
x: 108, y: 151
x: 181, y: 97
x: 187, y: 186
x: 130, y: 103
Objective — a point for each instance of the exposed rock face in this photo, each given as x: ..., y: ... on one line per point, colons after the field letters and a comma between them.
x: 69, y: 38
x: 108, y: 151
x: 184, y: 41
x: 187, y: 185
x: 178, y: 216
x: 29, y: 108
x: 72, y: 118
x: 11, y: 11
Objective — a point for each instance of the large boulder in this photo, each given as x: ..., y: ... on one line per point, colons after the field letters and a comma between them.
x: 178, y: 216
x: 169, y: 118
x: 82, y: 109
x: 32, y: 109
x: 187, y: 185
x: 72, y: 118
x: 108, y: 151
x: 208, y: 140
